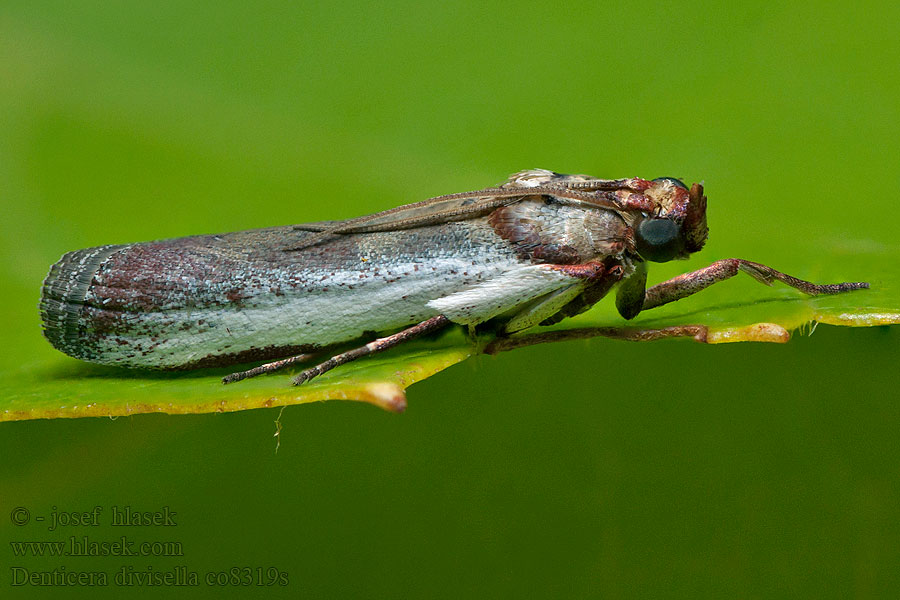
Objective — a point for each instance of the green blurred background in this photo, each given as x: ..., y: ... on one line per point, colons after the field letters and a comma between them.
x: 584, y: 469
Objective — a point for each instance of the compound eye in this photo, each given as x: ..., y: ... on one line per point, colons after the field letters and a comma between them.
x: 677, y: 182
x: 658, y: 240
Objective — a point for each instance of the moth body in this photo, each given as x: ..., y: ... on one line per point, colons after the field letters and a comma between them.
x: 214, y: 300
x: 540, y: 247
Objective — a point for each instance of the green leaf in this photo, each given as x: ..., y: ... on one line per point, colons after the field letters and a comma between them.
x: 737, y: 310
x: 64, y: 387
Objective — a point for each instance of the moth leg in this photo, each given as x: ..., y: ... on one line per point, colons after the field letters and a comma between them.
x: 691, y: 283
x: 379, y: 345
x: 267, y: 368
x: 698, y: 332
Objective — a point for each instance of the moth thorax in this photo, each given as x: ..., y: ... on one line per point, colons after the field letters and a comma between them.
x: 607, y: 232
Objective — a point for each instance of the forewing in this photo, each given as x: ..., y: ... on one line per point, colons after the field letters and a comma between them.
x: 574, y: 190
x: 442, y: 209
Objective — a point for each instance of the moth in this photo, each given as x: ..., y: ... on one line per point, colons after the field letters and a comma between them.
x: 540, y: 247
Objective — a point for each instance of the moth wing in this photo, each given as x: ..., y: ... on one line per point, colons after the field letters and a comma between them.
x: 469, y: 205
x: 453, y: 207
x: 515, y: 288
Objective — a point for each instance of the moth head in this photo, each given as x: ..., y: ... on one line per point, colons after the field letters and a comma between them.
x: 678, y: 225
